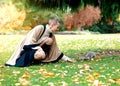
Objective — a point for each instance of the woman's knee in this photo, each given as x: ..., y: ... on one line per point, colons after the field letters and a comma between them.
x: 39, y: 55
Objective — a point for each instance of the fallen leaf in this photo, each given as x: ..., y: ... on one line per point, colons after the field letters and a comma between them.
x: 76, y: 80
x: 2, y: 75
x: 17, y: 84
x: 96, y: 83
x: 90, y: 78
x: 95, y: 74
x: 26, y: 75
x: 63, y: 75
x: 1, y: 66
x: 41, y: 71
x: 51, y: 84
x: 45, y: 73
x: 64, y: 83
x: 99, y: 57
x: 87, y: 67
x: 16, y: 72
x: 48, y: 74
x: 24, y: 82
x: 82, y: 72
x: 1, y: 80
x: 117, y: 81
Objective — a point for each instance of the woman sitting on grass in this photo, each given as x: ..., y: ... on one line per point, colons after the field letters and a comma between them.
x: 39, y: 35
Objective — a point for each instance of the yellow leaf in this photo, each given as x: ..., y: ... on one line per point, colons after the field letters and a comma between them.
x: 42, y: 71
x: 63, y: 75
x: 95, y: 74
x: 24, y: 82
x: 99, y: 58
x: 1, y: 66
x: 47, y: 75
x: 64, y: 83
x: 87, y: 67
x: 90, y: 78
x: 26, y: 75
x: 117, y: 81
x: 51, y: 84
x: 76, y: 80
x: 111, y: 80
x: 96, y: 83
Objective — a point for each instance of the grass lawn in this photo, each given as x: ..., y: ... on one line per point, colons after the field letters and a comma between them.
x: 97, y: 72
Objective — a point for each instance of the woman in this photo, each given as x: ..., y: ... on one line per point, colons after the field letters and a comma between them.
x: 39, y: 35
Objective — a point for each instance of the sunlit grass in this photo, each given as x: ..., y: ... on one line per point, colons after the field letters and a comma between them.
x: 106, y: 70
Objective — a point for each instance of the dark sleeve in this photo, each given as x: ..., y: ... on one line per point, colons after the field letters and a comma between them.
x: 45, y: 48
x: 26, y: 47
x: 50, y: 35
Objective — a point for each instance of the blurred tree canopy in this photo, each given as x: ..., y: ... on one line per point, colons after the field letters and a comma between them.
x: 110, y: 10
x: 38, y: 11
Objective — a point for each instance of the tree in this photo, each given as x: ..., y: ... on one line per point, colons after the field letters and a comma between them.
x: 84, y: 17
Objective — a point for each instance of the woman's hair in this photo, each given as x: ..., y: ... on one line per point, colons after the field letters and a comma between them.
x: 54, y: 21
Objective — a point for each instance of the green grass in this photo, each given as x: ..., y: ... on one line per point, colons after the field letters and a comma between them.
x: 106, y: 70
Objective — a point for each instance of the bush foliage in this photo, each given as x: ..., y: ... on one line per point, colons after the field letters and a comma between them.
x: 10, y: 17
x: 84, y: 17
x: 25, y: 14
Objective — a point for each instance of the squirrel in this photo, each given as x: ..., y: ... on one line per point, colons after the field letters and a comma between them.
x: 89, y: 56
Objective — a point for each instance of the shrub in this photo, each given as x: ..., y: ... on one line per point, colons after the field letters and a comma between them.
x: 10, y: 17
x: 84, y: 17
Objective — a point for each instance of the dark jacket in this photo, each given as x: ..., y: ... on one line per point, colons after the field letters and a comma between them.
x: 26, y: 56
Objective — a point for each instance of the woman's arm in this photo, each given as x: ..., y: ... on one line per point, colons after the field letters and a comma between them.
x: 30, y: 46
x: 47, y: 41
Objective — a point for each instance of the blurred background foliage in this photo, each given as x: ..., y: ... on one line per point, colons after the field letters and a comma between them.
x: 22, y: 15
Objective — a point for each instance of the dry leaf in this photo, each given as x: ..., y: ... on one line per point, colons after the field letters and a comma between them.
x: 1, y: 80
x: 1, y: 66
x: 96, y: 83
x: 26, y: 75
x: 16, y: 72
x: 24, y: 82
x: 51, y: 84
x: 42, y: 71
x: 90, y: 78
x: 76, y: 80
x: 82, y: 72
x: 95, y: 74
x: 48, y: 74
x: 17, y: 84
x: 63, y: 75
x: 87, y: 67
x: 45, y: 73
x: 99, y: 58
x: 117, y: 81
x: 2, y: 75
x: 64, y: 83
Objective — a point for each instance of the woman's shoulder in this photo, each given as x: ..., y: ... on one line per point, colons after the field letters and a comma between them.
x: 39, y: 27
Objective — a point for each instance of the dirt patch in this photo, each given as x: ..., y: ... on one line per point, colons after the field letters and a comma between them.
x: 110, y: 53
